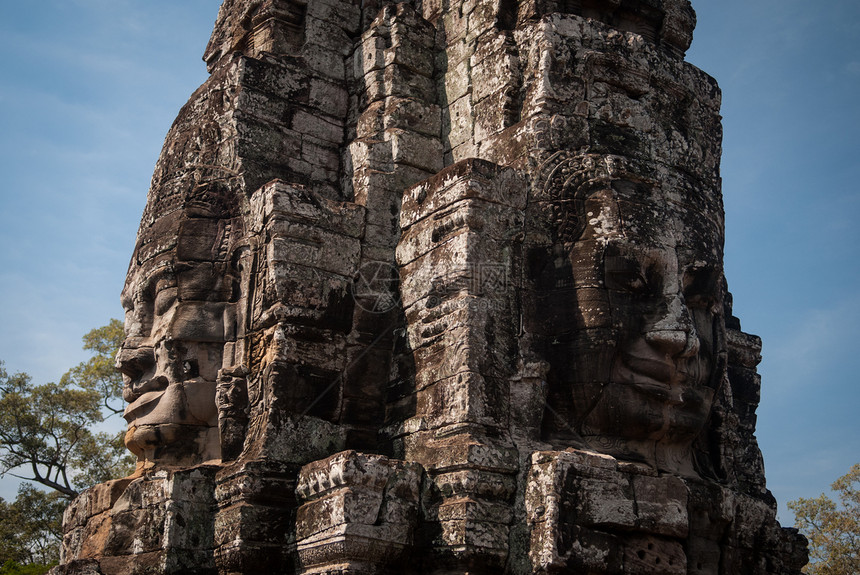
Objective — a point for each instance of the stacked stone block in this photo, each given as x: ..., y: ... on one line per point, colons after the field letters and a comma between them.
x: 354, y: 218
x: 128, y: 526
x: 358, y: 516
x: 457, y: 257
x: 395, y: 144
x: 597, y: 515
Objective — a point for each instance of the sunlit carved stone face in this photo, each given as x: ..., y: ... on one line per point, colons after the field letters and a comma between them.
x: 175, y: 334
x: 642, y: 365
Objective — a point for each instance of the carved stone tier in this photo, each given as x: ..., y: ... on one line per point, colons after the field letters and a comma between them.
x: 359, y: 514
x: 592, y: 513
x: 437, y: 287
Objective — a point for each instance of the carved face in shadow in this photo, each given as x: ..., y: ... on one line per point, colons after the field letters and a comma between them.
x: 638, y: 345
x: 177, y: 318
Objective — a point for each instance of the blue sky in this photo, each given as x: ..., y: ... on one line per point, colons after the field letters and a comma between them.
x: 89, y: 88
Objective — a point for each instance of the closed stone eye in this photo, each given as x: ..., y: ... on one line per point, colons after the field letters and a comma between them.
x: 625, y: 275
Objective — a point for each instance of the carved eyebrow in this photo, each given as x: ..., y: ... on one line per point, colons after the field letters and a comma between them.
x: 126, y: 300
x: 149, y: 286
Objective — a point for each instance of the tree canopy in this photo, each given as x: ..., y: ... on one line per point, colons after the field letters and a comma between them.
x: 53, y: 434
x: 99, y: 374
x: 48, y: 431
x: 833, y: 527
x: 30, y: 527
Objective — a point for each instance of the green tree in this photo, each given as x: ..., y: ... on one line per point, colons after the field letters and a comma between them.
x: 31, y: 528
x: 48, y: 435
x: 47, y: 431
x: 98, y: 374
x: 41, y: 429
x: 833, y: 528
x: 11, y: 549
x: 15, y: 568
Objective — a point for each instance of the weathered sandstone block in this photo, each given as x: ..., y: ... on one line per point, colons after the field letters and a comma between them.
x: 437, y: 288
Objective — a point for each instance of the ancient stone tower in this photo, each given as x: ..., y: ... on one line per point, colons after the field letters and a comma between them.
x: 436, y: 287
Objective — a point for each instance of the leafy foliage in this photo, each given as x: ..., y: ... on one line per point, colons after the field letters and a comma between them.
x: 14, y: 568
x: 48, y: 431
x: 42, y: 426
x: 98, y: 374
x: 30, y: 528
x: 833, y: 528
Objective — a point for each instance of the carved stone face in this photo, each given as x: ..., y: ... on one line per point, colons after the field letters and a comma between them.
x: 175, y: 335
x: 645, y: 296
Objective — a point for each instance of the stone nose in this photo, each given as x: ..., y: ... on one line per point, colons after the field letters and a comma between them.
x: 674, y: 343
x: 674, y: 333
x: 133, y: 362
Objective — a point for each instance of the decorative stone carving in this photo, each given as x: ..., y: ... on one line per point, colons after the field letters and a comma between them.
x: 359, y: 510
x: 437, y: 287
x: 178, y: 318
x: 231, y: 397
x: 628, y: 299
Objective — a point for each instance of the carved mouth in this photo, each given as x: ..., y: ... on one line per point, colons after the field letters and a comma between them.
x: 146, y: 394
x: 137, y: 389
x: 654, y: 370
x: 663, y: 380
x: 189, y: 402
x: 654, y: 377
x: 146, y: 400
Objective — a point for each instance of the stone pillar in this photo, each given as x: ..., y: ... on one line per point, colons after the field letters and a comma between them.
x: 456, y: 257
x: 395, y: 145
x: 307, y: 252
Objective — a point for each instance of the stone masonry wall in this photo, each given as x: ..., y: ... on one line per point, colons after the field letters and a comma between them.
x: 436, y: 287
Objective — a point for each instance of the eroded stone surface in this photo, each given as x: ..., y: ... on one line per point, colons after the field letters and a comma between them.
x: 437, y: 287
